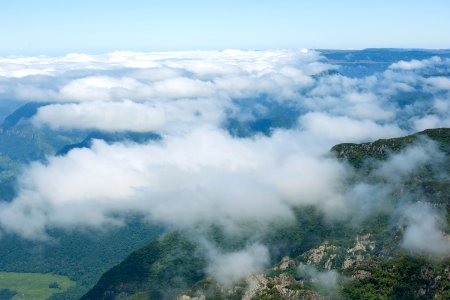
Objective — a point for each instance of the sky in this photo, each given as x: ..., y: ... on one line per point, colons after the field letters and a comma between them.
x: 53, y: 27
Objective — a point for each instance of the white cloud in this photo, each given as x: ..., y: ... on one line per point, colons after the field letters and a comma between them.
x: 326, y: 281
x: 431, y: 121
x: 404, y: 164
x: 370, y: 111
x: 176, y: 88
x: 276, y: 76
x: 228, y: 268
x: 205, y: 176
x: 160, y: 75
x: 96, y: 88
x: 423, y: 233
x: 345, y: 129
x: 198, y: 174
x: 442, y: 105
x: 439, y: 82
x: 416, y: 64
x: 116, y: 116
x: 408, y: 65
x: 156, y: 116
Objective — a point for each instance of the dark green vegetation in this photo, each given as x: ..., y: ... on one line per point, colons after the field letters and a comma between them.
x: 32, y: 285
x: 6, y: 294
x: 81, y: 255
x: 357, y: 154
x: 367, y: 255
x: 404, y: 277
x: 163, y: 269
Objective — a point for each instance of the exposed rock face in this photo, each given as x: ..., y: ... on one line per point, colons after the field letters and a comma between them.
x: 329, y: 263
x: 286, y: 263
x: 283, y: 283
x: 285, y: 280
x: 363, y: 248
x: 255, y: 284
x: 348, y: 262
x: 328, y: 256
x: 282, y: 286
x: 260, y: 286
x: 186, y: 297
x: 363, y: 244
x: 316, y: 256
x: 361, y: 274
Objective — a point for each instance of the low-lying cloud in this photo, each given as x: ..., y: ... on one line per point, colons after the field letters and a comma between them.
x: 237, y: 83
x: 205, y: 176
x: 228, y: 268
x: 326, y: 281
x: 345, y: 129
x: 424, y: 231
x: 161, y: 116
x: 199, y: 174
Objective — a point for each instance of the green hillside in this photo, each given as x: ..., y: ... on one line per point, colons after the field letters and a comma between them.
x: 164, y: 268
x: 32, y: 286
x: 357, y: 154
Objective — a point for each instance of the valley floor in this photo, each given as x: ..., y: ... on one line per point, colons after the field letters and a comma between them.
x: 32, y: 286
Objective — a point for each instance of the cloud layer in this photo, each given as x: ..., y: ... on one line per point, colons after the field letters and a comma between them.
x: 220, y: 84
x: 199, y: 174
x: 205, y: 176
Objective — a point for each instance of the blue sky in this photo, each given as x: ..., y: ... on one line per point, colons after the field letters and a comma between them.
x: 96, y: 26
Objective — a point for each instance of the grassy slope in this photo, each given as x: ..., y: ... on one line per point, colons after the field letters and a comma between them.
x: 33, y: 286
